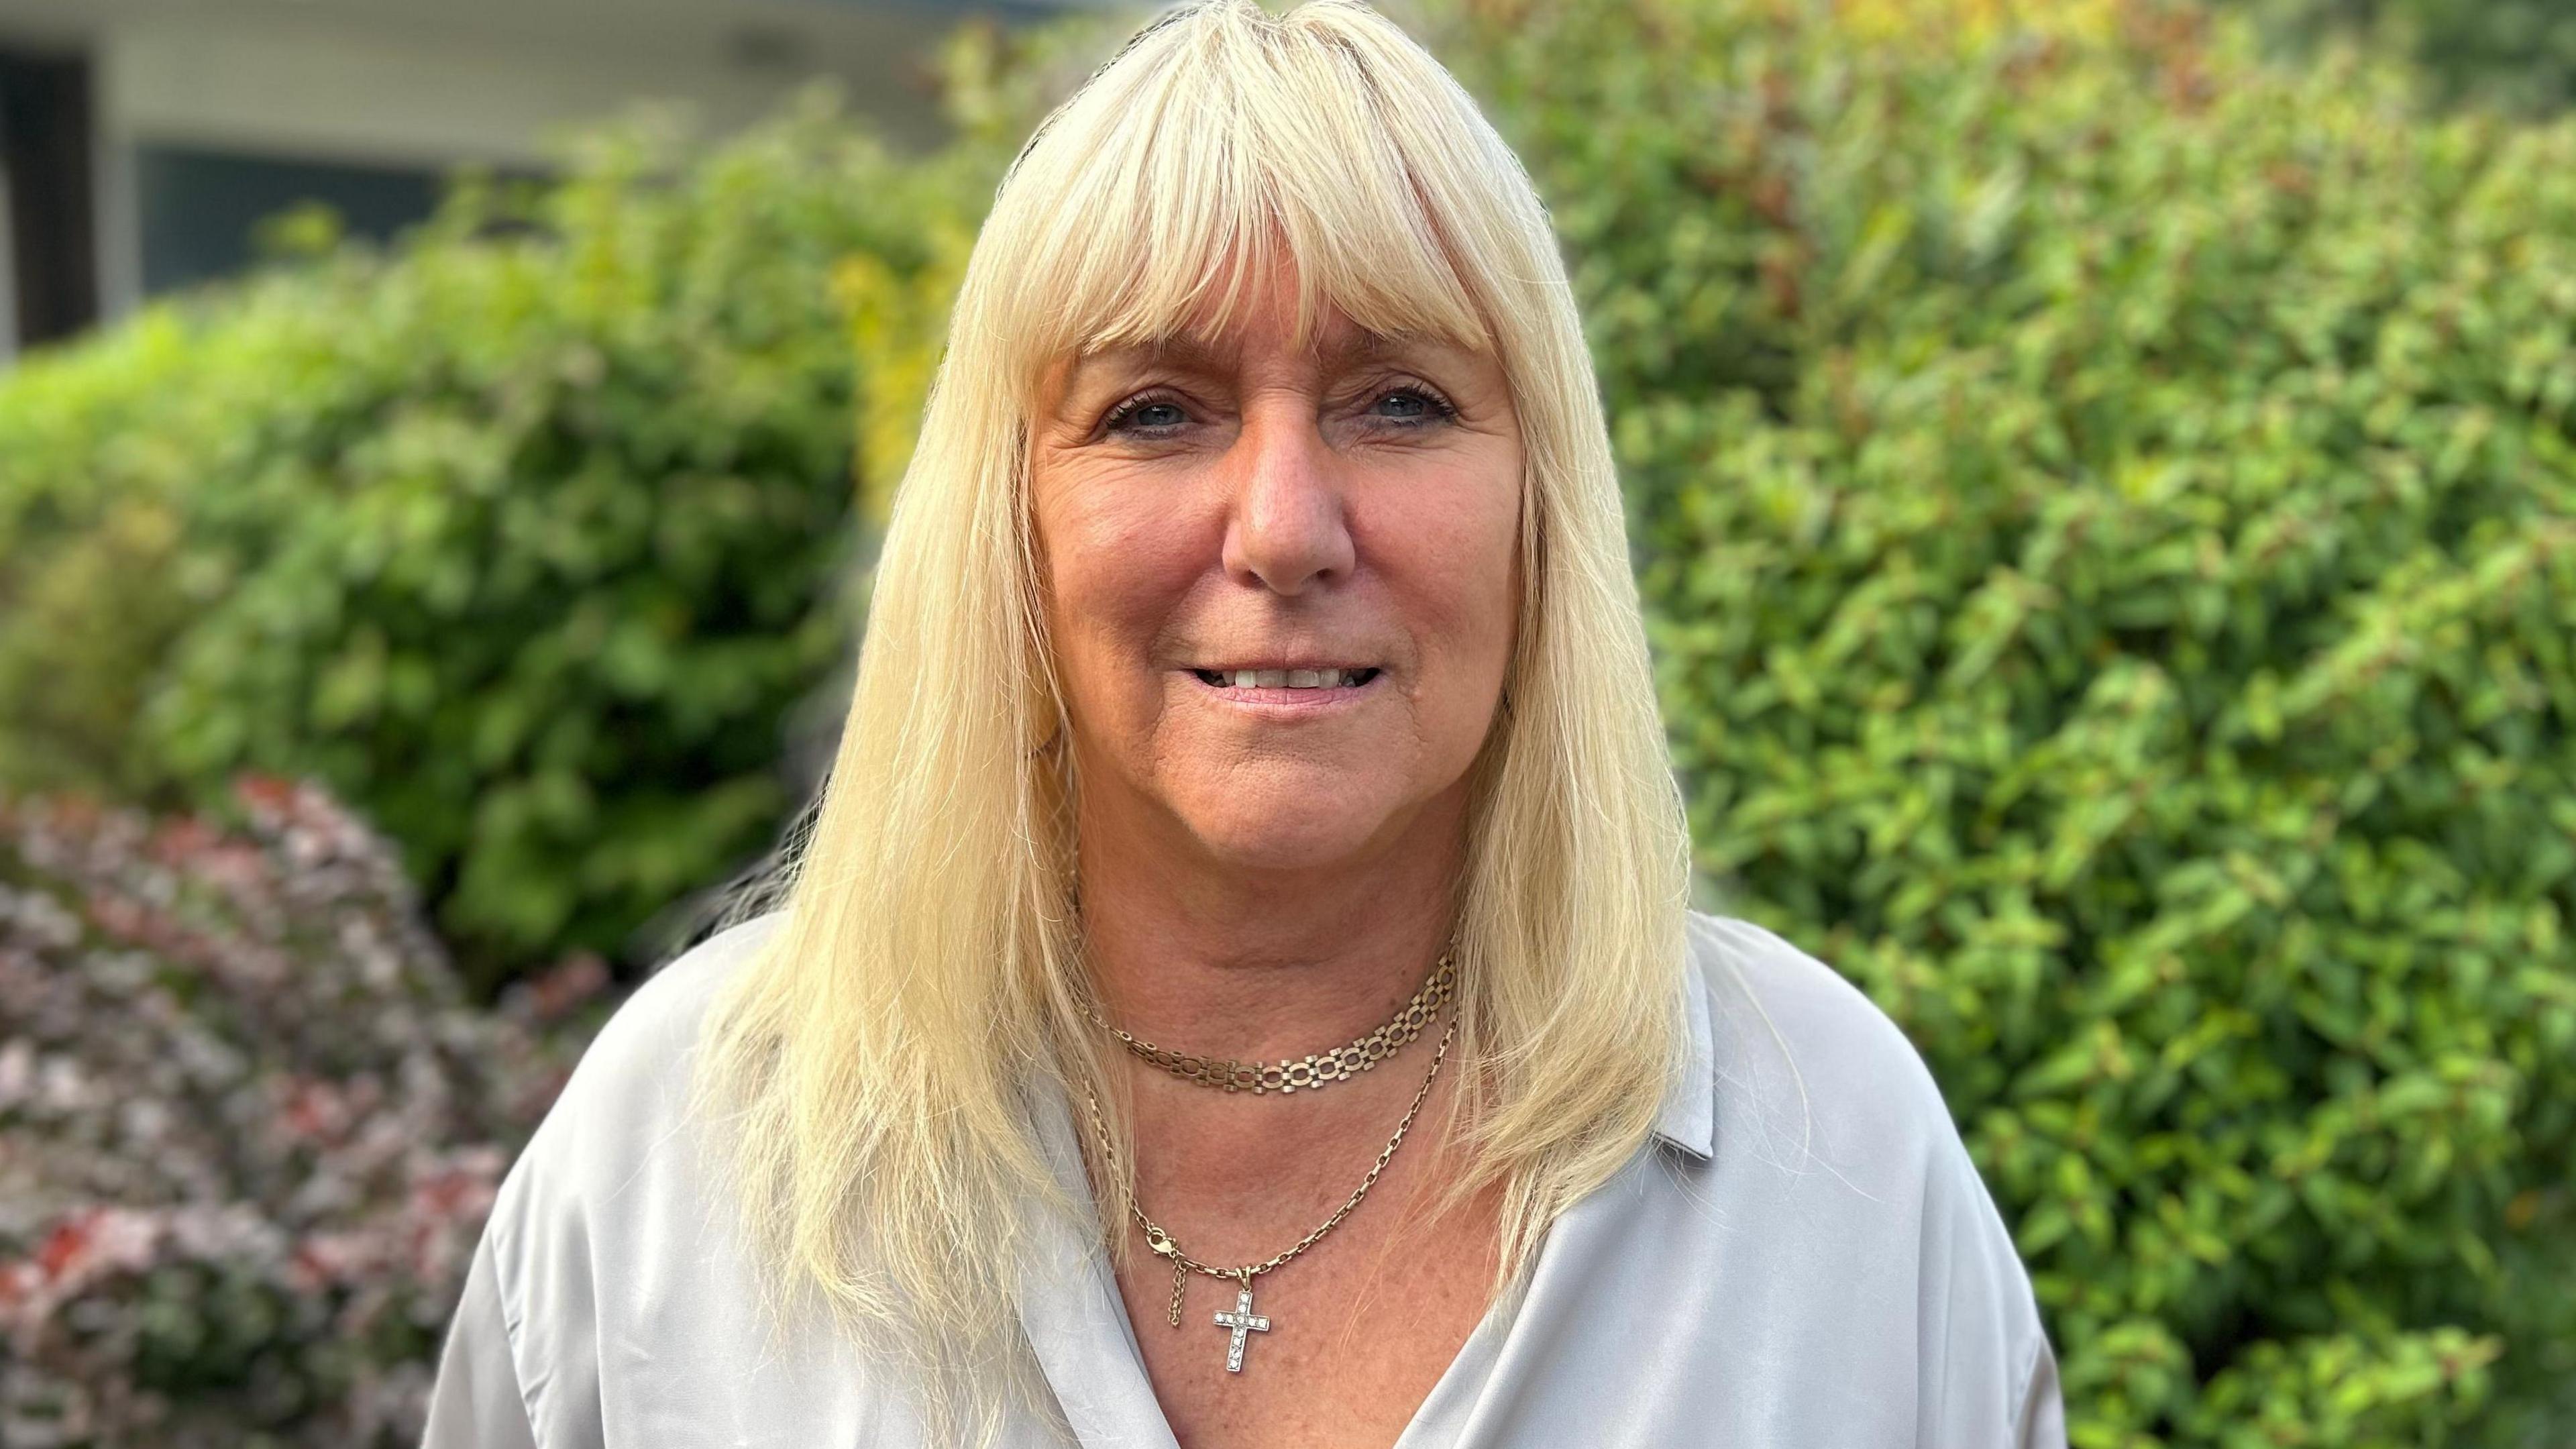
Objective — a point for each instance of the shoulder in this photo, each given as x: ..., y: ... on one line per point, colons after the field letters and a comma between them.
x: 617, y: 1113
x: 609, y: 1240
x: 648, y: 1039
x: 1802, y: 1057
x: 1828, y: 1115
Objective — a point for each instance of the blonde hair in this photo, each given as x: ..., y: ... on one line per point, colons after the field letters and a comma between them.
x: 870, y: 1063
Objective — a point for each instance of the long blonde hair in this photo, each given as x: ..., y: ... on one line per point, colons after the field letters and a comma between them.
x: 870, y: 1063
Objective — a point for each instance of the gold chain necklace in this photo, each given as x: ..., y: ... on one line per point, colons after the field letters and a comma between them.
x: 1290, y: 1074
x: 1242, y: 1320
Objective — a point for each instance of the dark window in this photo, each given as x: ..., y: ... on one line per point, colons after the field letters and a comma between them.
x: 45, y: 154
x: 201, y: 209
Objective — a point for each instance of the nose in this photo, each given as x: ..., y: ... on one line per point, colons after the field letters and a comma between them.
x: 1289, y: 524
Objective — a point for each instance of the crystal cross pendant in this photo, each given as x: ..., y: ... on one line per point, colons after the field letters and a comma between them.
x: 1242, y: 1320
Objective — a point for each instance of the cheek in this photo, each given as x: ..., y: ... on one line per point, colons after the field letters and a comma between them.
x: 1115, y: 575
x: 1459, y: 548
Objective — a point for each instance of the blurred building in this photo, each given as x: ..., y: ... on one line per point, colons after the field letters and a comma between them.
x: 141, y: 141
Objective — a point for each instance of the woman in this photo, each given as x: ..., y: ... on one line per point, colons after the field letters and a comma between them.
x: 1240, y: 988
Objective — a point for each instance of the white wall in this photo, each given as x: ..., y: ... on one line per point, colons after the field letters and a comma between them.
x: 432, y: 82
x: 351, y: 81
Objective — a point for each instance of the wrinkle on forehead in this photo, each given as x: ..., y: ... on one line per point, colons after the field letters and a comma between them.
x: 1339, y: 346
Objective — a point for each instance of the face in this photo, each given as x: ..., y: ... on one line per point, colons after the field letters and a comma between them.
x: 1226, y: 533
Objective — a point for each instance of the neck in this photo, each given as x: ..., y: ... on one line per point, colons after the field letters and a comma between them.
x: 1209, y: 957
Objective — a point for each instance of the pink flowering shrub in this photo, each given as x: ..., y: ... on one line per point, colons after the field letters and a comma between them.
x: 249, y: 1126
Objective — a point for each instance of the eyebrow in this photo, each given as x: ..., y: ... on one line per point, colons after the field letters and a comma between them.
x: 1189, y: 352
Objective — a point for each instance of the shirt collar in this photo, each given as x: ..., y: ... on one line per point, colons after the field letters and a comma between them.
x: 1069, y: 1307
x: 1688, y: 1119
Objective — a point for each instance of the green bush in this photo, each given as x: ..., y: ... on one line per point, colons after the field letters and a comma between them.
x: 2108, y: 511
x: 2507, y: 55
x: 524, y: 537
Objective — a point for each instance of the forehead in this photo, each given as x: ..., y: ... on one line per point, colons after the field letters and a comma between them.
x: 1338, y: 345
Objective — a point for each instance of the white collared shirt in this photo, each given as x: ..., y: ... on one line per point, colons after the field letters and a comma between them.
x: 1800, y: 1256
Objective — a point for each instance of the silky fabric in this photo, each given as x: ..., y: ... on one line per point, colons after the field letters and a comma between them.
x: 1802, y: 1254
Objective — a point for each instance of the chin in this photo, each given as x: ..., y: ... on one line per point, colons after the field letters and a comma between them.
x: 1290, y: 829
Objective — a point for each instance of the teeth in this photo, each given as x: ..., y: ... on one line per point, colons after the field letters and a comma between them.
x: 1286, y: 678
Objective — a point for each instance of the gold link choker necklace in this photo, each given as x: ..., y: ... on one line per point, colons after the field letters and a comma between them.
x: 1294, y: 1074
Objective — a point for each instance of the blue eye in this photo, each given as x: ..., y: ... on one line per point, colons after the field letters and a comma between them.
x: 1414, y: 405
x: 1146, y: 414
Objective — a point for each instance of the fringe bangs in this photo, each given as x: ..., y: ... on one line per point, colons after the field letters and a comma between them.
x: 1215, y: 151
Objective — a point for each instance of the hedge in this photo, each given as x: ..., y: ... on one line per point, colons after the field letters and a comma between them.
x: 528, y: 536
x: 253, y: 1128
x: 2506, y: 55
x: 2108, y: 511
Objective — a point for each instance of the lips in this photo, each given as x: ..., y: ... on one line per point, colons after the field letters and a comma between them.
x: 1287, y: 676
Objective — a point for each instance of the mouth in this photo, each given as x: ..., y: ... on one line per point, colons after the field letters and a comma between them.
x: 1319, y: 677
